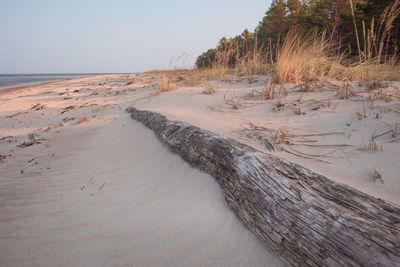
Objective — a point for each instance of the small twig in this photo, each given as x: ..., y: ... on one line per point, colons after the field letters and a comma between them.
x: 307, y: 141
x: 382, y: 134
x: 102, y: 186
x: 390, y: 108
x: 365, y: 109
x: 320, y: 134
x: 302, y: 156
x: 378, y: 176
x: 314, y: 155
x: 340, y: 145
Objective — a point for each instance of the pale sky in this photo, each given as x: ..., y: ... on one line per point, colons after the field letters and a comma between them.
x: 102, y: 36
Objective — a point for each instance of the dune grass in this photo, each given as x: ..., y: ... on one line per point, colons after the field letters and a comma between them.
x: 166, y: 84
x: 305, y: 58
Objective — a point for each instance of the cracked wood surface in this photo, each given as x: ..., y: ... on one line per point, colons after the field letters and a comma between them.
x: 305, y: 217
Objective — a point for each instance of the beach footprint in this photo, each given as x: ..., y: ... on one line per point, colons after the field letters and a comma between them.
x: 93, y: 188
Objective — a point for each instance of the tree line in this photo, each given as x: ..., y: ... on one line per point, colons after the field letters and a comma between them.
x: 357, y: 28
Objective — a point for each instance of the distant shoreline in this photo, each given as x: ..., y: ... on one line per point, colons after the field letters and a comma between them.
x: 35, y: 85
x: 57, y: 78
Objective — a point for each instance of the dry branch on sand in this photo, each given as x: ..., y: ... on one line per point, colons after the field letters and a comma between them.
x: 283, y: 140
x: 234, y: 102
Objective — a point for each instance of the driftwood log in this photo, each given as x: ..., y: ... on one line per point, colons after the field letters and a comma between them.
x: 305, y: 217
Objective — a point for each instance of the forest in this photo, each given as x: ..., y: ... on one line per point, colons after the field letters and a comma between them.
x: 345, y: 33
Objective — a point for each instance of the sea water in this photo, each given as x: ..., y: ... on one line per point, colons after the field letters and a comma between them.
x: 16, y: 80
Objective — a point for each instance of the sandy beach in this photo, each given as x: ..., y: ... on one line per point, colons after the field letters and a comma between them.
x: 84, y: 184
x: 97, y: 188
x: 228, y: 133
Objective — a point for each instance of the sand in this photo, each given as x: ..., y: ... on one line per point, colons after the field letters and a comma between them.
x: 82, y: 184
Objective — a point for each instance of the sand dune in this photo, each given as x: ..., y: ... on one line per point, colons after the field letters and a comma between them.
x: 116, y: 196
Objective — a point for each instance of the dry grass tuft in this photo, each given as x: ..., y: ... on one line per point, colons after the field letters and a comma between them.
x: 369, y: 70
x: 309, y: 84
x: 381, y: 94
x: 300, y: 111
x: 193, y: 78
x: 269, y: 92
x: 345, y: 90
x: 255, y: 62
x: 303, y: 58
x: 208, y: 89
x: 165, y: 84
x: 375, y: 84
x: 272, y: 90
x: 372, y: 146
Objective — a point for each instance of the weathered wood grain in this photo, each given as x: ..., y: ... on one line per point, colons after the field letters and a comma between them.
x: 307, y: 218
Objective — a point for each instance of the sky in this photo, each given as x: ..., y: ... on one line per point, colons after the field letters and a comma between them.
x: 116, y: 36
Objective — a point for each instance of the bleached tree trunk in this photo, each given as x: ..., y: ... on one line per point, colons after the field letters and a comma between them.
x: 305, y: 217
